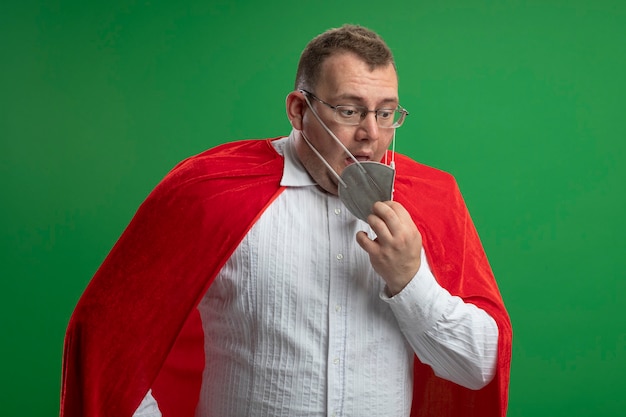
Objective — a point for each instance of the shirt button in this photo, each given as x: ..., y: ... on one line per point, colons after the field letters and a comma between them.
x: 336, y: 361
x: 337, y: 211
x: 339, y: 256
x: 337, y: 308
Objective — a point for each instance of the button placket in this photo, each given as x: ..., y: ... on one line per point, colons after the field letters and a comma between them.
x: 337, y: 297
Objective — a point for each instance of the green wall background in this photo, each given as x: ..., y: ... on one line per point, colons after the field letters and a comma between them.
x: 523, y: 101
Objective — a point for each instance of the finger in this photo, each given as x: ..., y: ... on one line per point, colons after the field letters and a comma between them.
x: 370, y: 246
x: 380, y: 228
x: 398, y: 217
x: 391, y: 221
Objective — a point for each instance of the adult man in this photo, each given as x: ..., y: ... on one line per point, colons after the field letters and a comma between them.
x: 304, y: 308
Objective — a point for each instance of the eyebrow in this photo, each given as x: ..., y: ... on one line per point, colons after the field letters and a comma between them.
x: 359, y: 99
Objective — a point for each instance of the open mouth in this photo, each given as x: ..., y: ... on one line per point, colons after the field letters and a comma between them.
x: 360, y: 158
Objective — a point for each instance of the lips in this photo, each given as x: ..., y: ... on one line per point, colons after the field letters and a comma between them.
x: 360, y: 158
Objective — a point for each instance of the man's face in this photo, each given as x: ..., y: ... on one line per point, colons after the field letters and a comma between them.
x: 346, y: 79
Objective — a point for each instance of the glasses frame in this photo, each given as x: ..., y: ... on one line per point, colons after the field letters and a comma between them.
x: 364, y: 111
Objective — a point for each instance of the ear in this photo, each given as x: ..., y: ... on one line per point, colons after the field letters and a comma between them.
x: 296, y: 105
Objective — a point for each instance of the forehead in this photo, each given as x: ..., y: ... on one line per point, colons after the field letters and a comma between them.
x: 347, y: 75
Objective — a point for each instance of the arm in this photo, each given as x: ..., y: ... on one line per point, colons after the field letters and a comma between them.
x: 457, y: 339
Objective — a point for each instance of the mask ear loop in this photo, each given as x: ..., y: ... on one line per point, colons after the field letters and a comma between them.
x: 392, y: 165
x: 319, y: 155
x: 356, y: 161
x: 319, y: 119
x: 393, y: 150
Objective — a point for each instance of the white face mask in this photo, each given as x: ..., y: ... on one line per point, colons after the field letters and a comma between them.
x: 362, y: 183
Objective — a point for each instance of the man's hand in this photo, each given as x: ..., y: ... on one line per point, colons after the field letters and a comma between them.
x: 395, y: 253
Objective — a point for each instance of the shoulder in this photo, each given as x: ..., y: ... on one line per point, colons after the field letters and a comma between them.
x: 412, y: 174
x: 240, y: 158
x: 229, y: 165
x: 232, y: 156
x: 430, y: 194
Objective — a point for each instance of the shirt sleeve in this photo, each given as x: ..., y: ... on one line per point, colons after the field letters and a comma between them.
x: 457, y: 339
x: 148, y: 407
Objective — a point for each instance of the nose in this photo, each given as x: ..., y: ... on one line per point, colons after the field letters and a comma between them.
x: 369, y: 125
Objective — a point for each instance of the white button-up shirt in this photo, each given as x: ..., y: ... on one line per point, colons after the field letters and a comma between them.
x: 297, y: 323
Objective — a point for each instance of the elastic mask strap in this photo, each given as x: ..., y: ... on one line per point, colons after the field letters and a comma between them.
x: 393, y: 151
x: 330, y: 132
x: 319, y: 155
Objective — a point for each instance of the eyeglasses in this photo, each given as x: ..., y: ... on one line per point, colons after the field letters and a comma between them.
x: 354, y: 115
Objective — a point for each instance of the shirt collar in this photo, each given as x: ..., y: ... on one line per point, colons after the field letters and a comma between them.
x: 294, y: 173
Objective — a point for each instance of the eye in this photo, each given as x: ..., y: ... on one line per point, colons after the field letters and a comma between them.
x: 347, y: 112
x: 385, y: 114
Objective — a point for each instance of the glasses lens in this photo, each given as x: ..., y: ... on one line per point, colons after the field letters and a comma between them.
x: 348, y: 115
x: 387, y: 117
x: 390, y: 118
x: 353, y: 115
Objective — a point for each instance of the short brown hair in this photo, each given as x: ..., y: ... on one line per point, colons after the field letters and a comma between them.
x: 363, y: 42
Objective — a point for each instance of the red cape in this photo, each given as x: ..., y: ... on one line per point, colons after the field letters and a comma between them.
x: 136, y: 326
